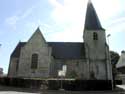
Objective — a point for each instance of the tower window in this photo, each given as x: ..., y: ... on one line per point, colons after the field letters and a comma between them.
x: 95, y: 36
x: 34, y: 61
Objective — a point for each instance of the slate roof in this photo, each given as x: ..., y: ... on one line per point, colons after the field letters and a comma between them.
x: 92, y: 21
x: 16, y: 52
x: 67, y: 50
x: 60, y: 50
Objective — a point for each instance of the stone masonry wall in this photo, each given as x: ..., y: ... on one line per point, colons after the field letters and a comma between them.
x: 12, y: 72
x: 35, y: 45
x: 75, y: 68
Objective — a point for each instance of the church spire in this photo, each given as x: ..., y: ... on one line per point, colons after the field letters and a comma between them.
x: 92, y: 21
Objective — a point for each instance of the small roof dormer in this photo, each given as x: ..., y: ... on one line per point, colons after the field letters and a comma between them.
x: 92, y: 21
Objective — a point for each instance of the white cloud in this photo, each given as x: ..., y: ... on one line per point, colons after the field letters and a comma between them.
x: 43, y: 26
x: 116, y: 26
x: 116, y: 22
x: 71, y: 15
x: 74, y: 10
x: 107, y: 8
x: 13, y: 20
x: 71, y: 11
x: 55, y: 3
x: 69, y: 34
x: 27, y: 12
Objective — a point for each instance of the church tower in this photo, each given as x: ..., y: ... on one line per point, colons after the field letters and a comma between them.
x: 97, y: 53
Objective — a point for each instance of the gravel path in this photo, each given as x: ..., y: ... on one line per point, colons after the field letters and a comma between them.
x: 15, y: 90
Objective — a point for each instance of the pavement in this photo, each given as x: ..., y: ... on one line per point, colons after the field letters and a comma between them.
x: 121, y: 86
x: 16, y: 90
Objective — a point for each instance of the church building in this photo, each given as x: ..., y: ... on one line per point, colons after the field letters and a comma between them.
x: 86, y: 60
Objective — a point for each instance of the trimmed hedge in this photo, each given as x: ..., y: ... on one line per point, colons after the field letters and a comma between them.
x: 19, y: 82
x: 74, y: 85
x: 80, y: 85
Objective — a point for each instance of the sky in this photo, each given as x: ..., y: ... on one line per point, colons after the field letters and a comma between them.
x: 58, y: 20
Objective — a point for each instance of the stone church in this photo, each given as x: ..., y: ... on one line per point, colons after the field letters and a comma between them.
x: 86, y: 60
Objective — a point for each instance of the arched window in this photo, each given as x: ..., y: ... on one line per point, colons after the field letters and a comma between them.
x: 34, y: 61
x: 95, y: 36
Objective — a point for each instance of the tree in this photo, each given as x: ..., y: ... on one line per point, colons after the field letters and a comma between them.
x: 73, y: 74
x: 114, y: 57
x: 114, y: 60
